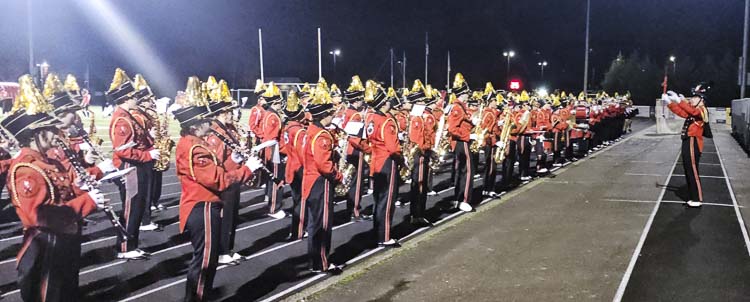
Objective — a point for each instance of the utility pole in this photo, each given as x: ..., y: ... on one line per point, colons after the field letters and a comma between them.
x: 426, y: 53
x: 743, y: 67
x: 586, y: 60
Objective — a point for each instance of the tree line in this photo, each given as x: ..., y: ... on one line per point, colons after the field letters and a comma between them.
x: 643, y: 76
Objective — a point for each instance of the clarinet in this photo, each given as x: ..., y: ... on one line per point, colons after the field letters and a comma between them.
x: 87, y: 139
x: 245, y: 153
x: 89, y: 181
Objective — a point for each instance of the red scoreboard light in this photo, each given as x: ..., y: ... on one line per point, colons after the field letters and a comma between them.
x: 515, y: 85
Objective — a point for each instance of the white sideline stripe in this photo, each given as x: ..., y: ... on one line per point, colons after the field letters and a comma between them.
x: 643, y: 174
x: 737, y: 212
x: 704, y: 176
x: 642, y: 240
x: 669, y: 201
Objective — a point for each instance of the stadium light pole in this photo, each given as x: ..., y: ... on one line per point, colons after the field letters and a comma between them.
x: 334, y: 53
x: 508, y: 55
x: 541, y: 66
x: 743, y: 65
x: 673, y: 59
x: 586, y: 60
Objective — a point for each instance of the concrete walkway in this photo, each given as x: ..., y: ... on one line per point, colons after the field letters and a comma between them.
x: 607, y: 228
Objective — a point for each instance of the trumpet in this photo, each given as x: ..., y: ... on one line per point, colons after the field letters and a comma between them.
x: 90, y: 182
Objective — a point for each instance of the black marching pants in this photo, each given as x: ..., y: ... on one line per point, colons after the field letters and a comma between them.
x: 297, y: 228
x: 465, y: 167
x: 152, y: 196
x: 691, y: 157
x: 524, y: 149
x: 230, y: 216
x: 274, y: 190
x: 385, y: 192
x: 354, y: 196
x: 203, y: 226
x: 133, y: 193
x: 490, y: 168
x: 509, y: 164
x: 420, y: 173
x: 48, y: 270
x: 320, y: 223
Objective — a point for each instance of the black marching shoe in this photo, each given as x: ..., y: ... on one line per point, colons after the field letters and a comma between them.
x: 420, y: 222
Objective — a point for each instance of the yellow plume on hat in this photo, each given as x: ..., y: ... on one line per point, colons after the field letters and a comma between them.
x: 259, y: 86
x: 52, y: 85
x: 292, y: 101
x: 224, y: 94
x: 458, y: 80
x: 581, y: 96
x: 214, y: 89
x: 119, y: 78
x: 488, y: 88
x: 71, y: 84
x: 563, y: 95
x: 194, y: 95
x: 306, y: 88
x: 29, y: 98
x: 139, y: 82
x: 335, y: 90
x: 391, y: 93
x: 322, y: 84
x: 429, y: 92
x: 499, y: 98
x: 271, y: 90
x: 555, y: 100
x: 356, y: 84
x: 418, y: 86
x: 320, y: 96
x: 452, y: 98
x: 524, y: 96
x: 371, y: 90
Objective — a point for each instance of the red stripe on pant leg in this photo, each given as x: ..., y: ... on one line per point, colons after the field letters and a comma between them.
x: 206, y: 248
x: 323, y: 256
x: 273, y: 189
x: 421, y: 176
x: 695, y: 170
x: 392, y: 181
x: 358, y: 192
x: 468, y: 172
x: 301, y: 226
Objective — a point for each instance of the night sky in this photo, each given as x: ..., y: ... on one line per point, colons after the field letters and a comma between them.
x: 219, y: 37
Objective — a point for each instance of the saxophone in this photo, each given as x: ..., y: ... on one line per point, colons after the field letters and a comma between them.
x: 95, y: 140
x: 347, y: 169
x: 162, y: 141
x: 499, y: 155
x: 480, y: 132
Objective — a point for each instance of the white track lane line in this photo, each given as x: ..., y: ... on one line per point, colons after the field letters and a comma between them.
x: 642, y: 240
x: 737, y: 212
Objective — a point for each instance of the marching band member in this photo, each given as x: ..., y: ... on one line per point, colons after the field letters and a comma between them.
x: 47, y: 200
x: 318, y: 182
x: 292, y: 146
x: 460, y: 125
x: 422, y: 130
x: 256, y: 113
x: 693, y: 110
x: 382, y: 133
x: 222, y: 107
x: 271, y: 129
x: 489, y: 122
x: 202, y: 177
x: 356, y: 147
x: 145, y: 115
x: 541, y: 123
x: 132, y: 148
x: 526, y: 139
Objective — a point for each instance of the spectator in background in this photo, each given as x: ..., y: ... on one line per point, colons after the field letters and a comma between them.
x: 5, y: 100
x: 85, y: 99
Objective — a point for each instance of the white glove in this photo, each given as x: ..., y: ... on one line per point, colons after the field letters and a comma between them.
x: 89, y: 157
x: 98, y: 198
x: 252, y: 134
x: 682, y: 97
x: 473, y: 136
x: 237, y: 157
x: 665, y: 98
x: 500, y: 122
x: 152, y: 132
x: 155, y: 153
x: 401, y: 136
x: 106, y: 166
x: 673, y: 96
x: 500, y: 144
x: 475, y: 120
x: 253, y: 163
